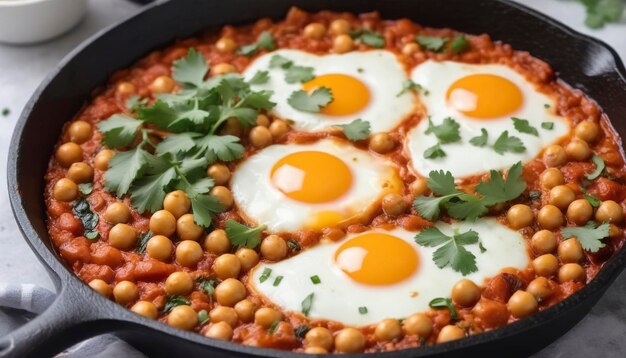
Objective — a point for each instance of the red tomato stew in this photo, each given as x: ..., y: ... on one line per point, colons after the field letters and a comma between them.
x: 145, y: 204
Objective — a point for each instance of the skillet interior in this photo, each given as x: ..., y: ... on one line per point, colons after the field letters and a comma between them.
x: 583, y: 63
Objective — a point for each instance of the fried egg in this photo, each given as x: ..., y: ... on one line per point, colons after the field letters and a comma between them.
x: 480, y: 97
x: 311, y: 186
x: 384, y: 271
x: 364, y: 85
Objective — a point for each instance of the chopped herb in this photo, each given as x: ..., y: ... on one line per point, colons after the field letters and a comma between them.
x: 5, y: 112
x: 434, y: 152
x: 294, y: 245
x: 481, y: 247
x: 459, y: 44
x: 174, y: 301
x: 506, y: 143
x: 91, y: 235
x: 481, y: 140
x: 301, y: 331
x: 446, y: 132
x: 432, y: 43
x: 523, y: 126
x: 363, y: 310
x: 358, y: 129
x: 409, y: 85
x: 265, y: 275
x: 265, y: 41
x: 360, y: 70
x: 597, y: 160
x: 368, y: 37
x: 534, y: 195
x: 441, y: 302
x: 589, y: 235
x: 203, y: 316
x: 88, y: 218
x: 547, y: 125
x: 207, y: 285
x: 259, y: 78
x: 546, y: 106
x: 307, y: 303
x: 273, y: 327
x: 144, y: 237
x: 277, y: 280
x: 451, y: 252
x: 85, y: 188
x: 595, y: 202
x: 243, y: 236
x: 316, y: 280
x: 313, y: 103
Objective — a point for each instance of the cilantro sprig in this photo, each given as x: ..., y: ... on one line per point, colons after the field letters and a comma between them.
x: 458, y: 44
x: 368, y: 37
x: 589, y: 236
x: 451, y: 251
x: 265, y: 41
x: 358, y: 129
x: 241, y: 235
x: 314, y: 102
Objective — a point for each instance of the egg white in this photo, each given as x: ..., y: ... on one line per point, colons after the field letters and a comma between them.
x: 260, y: 201
x: 379, y: 70
x: 462, y: 158
x: 338, y: 297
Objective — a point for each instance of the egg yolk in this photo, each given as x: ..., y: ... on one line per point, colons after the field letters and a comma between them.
x: 485, y: 96
x: 377, y: 259
x: 350, y: 95
x: 312, y: 176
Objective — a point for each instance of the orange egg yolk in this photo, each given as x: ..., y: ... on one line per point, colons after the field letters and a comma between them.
x: 485, y: 96
x: 377, y: 259
x: 350, y: 95
x: 312, y: 176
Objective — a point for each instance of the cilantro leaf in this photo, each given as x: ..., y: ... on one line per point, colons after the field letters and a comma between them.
x: 547, y: 125
x: 302, y: 101
x: 523, y: 126
x: 597, y: 160
x: 441, y: 183
x: 434, y: 152
x: 134, y: 102
x: 429, y: 207
x: 176, y: 143
x: 589, y: 236
x: 265, y: 41
x: 595, y: 202
x: 446, y: 303
x: 358, y: 129
x: 432, y: 43
x: 497, y: 190
x: 148, y: 192
x: 451, y: 252
x: 124, y: 167
x: 468, y: 208
x: 506, y: 143
x: 204, y: 207
x: 191, y: 69
x: 280, y: 61
x: 299, y: 74
x: 368, y: 37
x: 446, y: 132
x: 259, y: 78
x: 481, y: 140
x: 119, y: 130
x: 459, y: 44
x: 159, y: 113
x: 409, y: 85
x: 243, y: 236
x: 174, y: 301
x: 224, y: 148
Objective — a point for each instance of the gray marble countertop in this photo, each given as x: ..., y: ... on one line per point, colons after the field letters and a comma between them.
x: 601, y: 333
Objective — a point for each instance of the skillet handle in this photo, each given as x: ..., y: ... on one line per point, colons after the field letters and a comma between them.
x: 69, y: 320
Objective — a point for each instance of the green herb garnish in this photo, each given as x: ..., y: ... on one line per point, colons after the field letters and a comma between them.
x: 446, y: 132
x: 434, y: 152
x: 368, y: 37
x: 451, y: 251
x: 294, y: 245
x: 597, y: 160
x: 547, y: 125
x: 88, y: 218
x: 459, y: 44
x: 307, y: 303
x: 481, y: 140
x: 313, y: 103
x: 265, y: 274
x: 589, y: 235
x: 273, y: 327
x: 277, y: 280
x: 440, y: 302
x: 265, y: 41
x: 316, y: 280
x: 85, y: 188
x: 143, y: 241
x: 203, y: 316
x: 358, y: 129
x: 523, y: 126
x: 243, y: 236
x: 363, y: 310
x: 207, y: 285
x: 506, y: 143
x: 409, y: 85
x: 174, y: 301
x: 595, y: 202
x: 432, y: 43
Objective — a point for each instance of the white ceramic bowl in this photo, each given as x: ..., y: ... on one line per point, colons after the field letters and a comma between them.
x: 29, y: 21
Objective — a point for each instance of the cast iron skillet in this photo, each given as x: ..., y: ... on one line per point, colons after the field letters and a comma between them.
x: 80, y: 312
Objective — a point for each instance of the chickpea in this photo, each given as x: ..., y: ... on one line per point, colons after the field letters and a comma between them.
x: 522, y: 304
x: 578, y: 150
x: 388, y: 330
x: 579, y: 211
x: 615, y: 231
x: 465, y: 293
x: 570, y: 250
x: 162, y: 84
x: 216, y: 242
x: 227, y: 266
x: 101, y: 161
x: 551, y: 177
x: 146, y: 309
x: 65, y: 190
x: 572, y: 272
x: 260, y: 137
x: 561, y: 196
x: 226, y: 45
x: 187, y: 229
x: 125, y: 292
x: 450, y: 333
x: 543, y: 242
x: 418, y: 324
x: 220, y: 173
x: 80, y: 172
x: 245, y: 310
x: 224, y: 196
x: 188, y: 253
x: 314, y: 30
x: 546, y: 265
x: 101, y: 287
x: 69, y: 153
x: 117, y: 213
x: 540, y: 288
x: 223, y: 68
x: 319, y: 337
x: 339, y: 27
x: 315, y: 350
x: 179, y: 283
x: 381, y: 143
x: 519, y: 216
x: 394, y: 205
x: 587, y: 131
x: 554, y: 156
x: 232, y: 127
x: 80, y: 132
x: 159, y: 247
x: 266, y: 316
x: 163, y: 223
x: 125, y: 88
x: 122, y: 236
x: 183, y: 317
x: 274, y: 248
x: 610, y: 212
x: 349, y: 340
x: 248, y: 257
x: 177, y: 203
x: 550, y: 217
x: 410, y: 48
x: 229, y: 292
x: 343, y: 44
x: 220, y: 330
x: 278, y: 128
x: 224, y: 314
